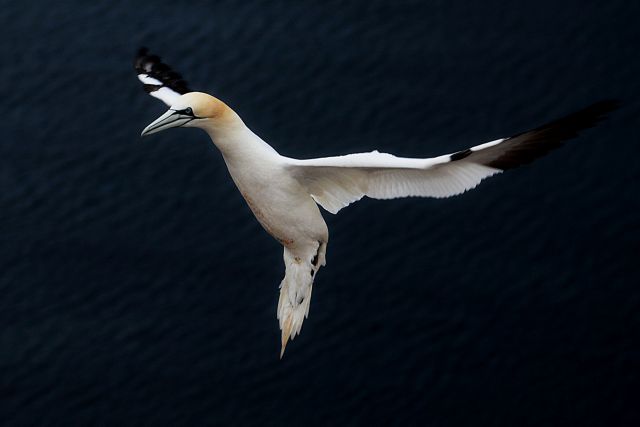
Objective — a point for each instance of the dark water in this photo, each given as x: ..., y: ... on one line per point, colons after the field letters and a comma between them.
x: 137, y: 289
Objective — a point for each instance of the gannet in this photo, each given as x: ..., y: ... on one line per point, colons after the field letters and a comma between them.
x: 284, y: 193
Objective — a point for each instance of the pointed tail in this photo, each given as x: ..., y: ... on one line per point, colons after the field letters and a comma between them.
x: 295, y: 288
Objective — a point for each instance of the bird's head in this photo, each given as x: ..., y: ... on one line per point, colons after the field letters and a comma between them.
x: 193, y: 109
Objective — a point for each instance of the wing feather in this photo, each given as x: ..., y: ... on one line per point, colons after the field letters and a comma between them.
x: 336, y: 182
x: 158, y: 79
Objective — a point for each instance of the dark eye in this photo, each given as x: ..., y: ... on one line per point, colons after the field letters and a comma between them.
x: 188, y: 111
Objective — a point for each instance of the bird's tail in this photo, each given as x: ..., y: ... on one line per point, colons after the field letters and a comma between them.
x: 295, y: 289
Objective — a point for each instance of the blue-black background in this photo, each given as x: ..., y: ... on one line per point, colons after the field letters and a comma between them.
x: 136, y: 288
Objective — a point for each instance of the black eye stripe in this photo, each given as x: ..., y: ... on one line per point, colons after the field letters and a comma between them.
x: 186, y: 112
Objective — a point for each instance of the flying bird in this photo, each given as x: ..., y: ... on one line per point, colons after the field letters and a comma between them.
x: 284, y: 193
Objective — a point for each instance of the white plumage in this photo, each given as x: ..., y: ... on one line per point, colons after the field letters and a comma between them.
x: 284, y: 193
x: 335, y: 182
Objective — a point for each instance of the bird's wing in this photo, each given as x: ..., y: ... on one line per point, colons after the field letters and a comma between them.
x: 158, y: 79
x: 335, y: 182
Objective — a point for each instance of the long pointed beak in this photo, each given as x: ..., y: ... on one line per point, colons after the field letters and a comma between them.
x: 170, y: 119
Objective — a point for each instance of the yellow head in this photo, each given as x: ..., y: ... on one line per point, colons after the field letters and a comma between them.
x: 193, y: 109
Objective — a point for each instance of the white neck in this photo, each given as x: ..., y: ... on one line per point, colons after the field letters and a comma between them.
x: 235, y: 140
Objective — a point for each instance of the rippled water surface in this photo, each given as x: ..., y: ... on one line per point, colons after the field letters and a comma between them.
x: 137, y: 289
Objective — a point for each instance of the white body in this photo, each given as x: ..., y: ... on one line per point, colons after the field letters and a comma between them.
x: 280, y: 203
x: 285, y: 210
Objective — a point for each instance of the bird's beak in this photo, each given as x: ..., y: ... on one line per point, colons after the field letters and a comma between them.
x: 170, y: 119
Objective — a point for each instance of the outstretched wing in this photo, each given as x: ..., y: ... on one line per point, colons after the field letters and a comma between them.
x: 159, y: 80
x: 335, y: 182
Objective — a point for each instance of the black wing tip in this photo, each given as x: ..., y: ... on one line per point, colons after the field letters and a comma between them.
x: 152, y: 65
x: 607, y: 105
x: 539, y: 141
x: 584, y: 118
x: 597, y: 111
